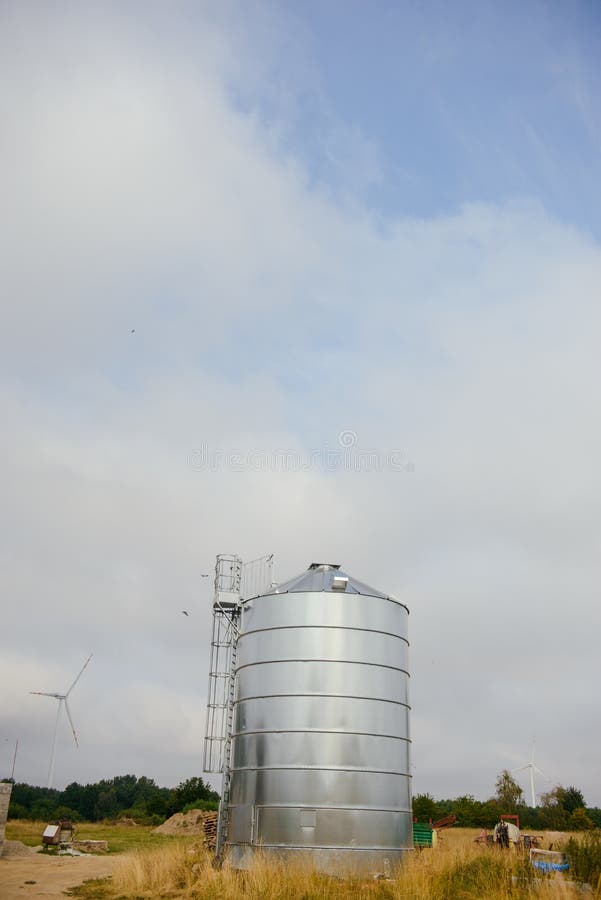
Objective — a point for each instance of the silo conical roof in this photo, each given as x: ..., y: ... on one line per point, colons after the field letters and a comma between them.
x: 326, y: 577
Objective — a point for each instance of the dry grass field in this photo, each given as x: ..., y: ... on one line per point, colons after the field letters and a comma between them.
x: 147, y: 866
x: 458, y: 869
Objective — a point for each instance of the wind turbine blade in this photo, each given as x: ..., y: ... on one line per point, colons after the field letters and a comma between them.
x: 540, y: 772
x: 80, y: 674
x: 68, y: 711
x: 521, y: 768
x: 42, y: 693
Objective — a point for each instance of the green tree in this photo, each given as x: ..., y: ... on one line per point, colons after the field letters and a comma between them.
x: 566, y: 800
x: 424, y: 808
x: 489, y: 814
x: 509, y: 793
x: 44, y: 809
x: 126, y: 788
x: 594, y: 814
x: 64, y: 812
x: 159, y: 805
x: 107, y: 804
x: 467, y: 810
x: 571, y: 799
x: 580, y: 821
x: 82, y: 798
x: 552, y: 814
x: 17, y: 811
x: 188, y: 791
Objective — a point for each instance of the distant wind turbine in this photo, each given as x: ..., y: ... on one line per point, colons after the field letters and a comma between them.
x: 532, y: 769
x: 62, y: 698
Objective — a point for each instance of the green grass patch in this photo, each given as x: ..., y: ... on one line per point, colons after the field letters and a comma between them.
x: 120, y: 837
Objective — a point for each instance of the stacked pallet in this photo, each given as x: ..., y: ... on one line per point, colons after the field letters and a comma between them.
x: 210, y: 830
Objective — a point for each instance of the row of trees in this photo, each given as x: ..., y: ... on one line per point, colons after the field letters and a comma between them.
x: 561, y: 809
x: 124, y: 796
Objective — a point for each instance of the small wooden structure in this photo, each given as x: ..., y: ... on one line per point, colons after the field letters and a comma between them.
x: 57, y: 833
x: 51, y: 835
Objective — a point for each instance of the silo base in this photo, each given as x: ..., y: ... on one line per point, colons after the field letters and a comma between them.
x: 343, y: 862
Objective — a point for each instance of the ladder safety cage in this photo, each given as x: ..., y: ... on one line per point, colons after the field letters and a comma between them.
x: 226, y: 615
x: 234, y: 580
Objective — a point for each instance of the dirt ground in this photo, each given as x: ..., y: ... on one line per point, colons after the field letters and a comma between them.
x: 51, y: 875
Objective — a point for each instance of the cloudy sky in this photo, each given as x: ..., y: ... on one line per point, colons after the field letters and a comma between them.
x: 328, y: 223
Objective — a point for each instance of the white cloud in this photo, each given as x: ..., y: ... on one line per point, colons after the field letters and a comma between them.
x: 266, y: 316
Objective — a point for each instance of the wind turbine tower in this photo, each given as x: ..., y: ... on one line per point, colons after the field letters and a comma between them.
x: 532, y: 768
x: 62, y: 698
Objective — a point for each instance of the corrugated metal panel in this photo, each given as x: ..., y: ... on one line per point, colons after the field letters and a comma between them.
x: 321, y: 750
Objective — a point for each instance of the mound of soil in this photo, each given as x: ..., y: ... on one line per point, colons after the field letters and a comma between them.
x: 14, y: 849
x: 197, y: 822
x: 192, y: 822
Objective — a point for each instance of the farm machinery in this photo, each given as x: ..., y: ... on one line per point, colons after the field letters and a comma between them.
x: 426, y: 835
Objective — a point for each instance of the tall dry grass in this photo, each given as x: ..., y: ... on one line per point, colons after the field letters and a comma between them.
x: 458, y: 870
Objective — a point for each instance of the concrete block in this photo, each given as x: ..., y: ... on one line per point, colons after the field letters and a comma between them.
x: 91, y: 846
x: 5, y: 792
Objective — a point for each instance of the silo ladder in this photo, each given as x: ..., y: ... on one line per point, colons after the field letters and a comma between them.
x: 222, y: 674
x: 233, y: 581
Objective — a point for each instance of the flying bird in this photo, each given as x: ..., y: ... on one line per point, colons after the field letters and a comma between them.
x: 132, y: 331
x: 185, y: 613
x: 202, y: 575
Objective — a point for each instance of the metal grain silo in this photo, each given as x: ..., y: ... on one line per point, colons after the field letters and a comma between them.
x: 319, y: 761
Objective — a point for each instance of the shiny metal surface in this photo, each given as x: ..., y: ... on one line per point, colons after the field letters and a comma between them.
x: 323, y: 713
x: 341, y: 609
x: 321, y: 788
x: 318, y: 643
x: 316, y: 677
x: 320, y: 760
x: 320, y: 750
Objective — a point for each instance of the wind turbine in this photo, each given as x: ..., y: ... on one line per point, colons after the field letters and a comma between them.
x: 532, y: 768
x: 62, y: 698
